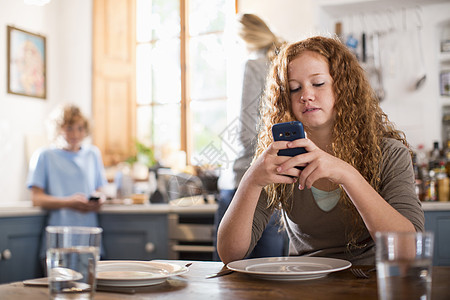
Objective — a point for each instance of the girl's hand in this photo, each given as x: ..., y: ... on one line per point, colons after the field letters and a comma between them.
x: 95, y: 205
x: 319, y: 164
x: 81, y: 203
x: 264, y: 170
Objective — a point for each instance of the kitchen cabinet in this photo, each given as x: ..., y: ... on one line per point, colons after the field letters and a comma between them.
x: 125, y: 236
x: 130, y: 232
x: 134, y: 236
x: 439, y: 223
x: 20, y: 240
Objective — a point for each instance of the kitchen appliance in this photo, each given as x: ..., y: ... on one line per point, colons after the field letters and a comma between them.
x: 172, y: 185
x: 191, y: 236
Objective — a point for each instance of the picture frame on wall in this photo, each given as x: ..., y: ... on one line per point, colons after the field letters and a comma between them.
x: 26, y: 59
x: 445, y: 83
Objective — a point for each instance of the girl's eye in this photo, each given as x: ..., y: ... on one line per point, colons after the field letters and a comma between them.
x: 318, y: 84
x: 295, y: 90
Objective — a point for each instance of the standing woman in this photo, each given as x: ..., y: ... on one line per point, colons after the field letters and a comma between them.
x: 262, y: 45
x: 358, y: 176
x: 63, y: 177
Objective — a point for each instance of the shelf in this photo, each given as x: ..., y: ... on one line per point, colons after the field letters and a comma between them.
x: 445, y: 100
x: 444, y: 62
x: 348, y: 7
x: 444, y: 58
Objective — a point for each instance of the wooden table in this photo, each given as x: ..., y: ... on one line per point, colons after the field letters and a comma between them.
x: 194, y: 285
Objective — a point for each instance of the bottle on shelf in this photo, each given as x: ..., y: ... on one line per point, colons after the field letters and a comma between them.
x: 435, y: 157
x: 422, y: 157
x: 430, y: 186
x: 418, y: 178
x: 443, y: 183
x: 447, y: 158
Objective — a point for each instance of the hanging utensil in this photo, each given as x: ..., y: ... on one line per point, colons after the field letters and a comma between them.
x: 379, y: 89
x: 363, y: 40
x: 364, y: 47
x: 422, y: 76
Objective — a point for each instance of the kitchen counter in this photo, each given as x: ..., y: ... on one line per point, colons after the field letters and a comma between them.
x: 435, y: 206
x: 159, y: 208
x: 18, y: 209
x: 180, y: 206
x: 26, y: 208
x: 194, y: 204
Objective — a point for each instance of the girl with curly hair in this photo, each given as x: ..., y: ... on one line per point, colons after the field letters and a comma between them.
x: 357, y: 178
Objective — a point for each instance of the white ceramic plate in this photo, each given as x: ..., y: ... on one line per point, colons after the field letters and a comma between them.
x: 289, y: 268
x: 135, y: 273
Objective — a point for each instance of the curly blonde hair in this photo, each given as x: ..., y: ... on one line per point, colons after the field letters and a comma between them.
x: 360, y: 124
x: 65, y: 115
x: 257, y: 34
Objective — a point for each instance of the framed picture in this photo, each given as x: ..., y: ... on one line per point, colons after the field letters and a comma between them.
x: 445, y: 83
x: 26, y: 63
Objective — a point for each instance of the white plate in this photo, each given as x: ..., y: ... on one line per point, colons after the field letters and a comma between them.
x: 135, y: 273
x: 289, y: 268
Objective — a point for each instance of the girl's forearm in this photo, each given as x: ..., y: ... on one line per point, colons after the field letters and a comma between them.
x: 377, y: 214
x: 235, y: 230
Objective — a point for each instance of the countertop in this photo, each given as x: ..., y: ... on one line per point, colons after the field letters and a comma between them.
x: 184, y: 205
x: 431, y: 206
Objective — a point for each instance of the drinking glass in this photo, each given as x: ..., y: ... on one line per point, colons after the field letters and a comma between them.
x: 72, y: 255
x: 404, y: 264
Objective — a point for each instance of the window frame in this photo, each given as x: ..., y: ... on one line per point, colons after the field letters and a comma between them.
x: 186, y: 134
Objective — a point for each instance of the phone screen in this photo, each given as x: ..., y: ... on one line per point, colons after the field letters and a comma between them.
x: 289, y: 131
x: 94, y: 198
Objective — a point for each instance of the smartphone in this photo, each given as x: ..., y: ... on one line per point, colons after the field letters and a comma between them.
x: 289, y: 131
x: 94, y: 198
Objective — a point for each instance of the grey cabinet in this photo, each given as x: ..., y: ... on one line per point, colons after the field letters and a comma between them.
x: 125, y: 236
x: 134, y: 236
x: 20, y: 240
x: 439, y: 223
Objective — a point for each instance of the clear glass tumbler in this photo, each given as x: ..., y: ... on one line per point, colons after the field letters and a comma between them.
x: 72, y: 255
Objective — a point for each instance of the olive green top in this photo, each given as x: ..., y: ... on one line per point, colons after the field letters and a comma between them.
x: 315, y: 232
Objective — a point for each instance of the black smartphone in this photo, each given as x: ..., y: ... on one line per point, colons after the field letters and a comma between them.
x: 289, y: 131
x: 94, y: 198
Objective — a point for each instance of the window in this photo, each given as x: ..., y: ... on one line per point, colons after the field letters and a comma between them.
x: 181, y: 75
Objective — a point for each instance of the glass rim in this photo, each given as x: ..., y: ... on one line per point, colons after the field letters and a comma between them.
x: 73, y: 229
x: 403, y: 233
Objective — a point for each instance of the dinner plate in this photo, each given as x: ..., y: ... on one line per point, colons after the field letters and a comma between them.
x: 135, y: 273
x: 289, y: 268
